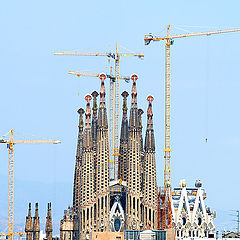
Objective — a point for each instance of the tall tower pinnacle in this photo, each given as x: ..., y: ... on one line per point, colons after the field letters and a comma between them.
x: 77, y: 173
x: 49, y: 223
x: 87, y: 174
x: 36, y: 224
x: 123, y: 140
x: 29, y: 226
x: 102, y: 114
x: 150, y: 141
x: 88, y: 161
x: 88, y: 98
x: 134, y: 177
x: 149, y: 173
x: 102, y: 163
x: 133, y: 120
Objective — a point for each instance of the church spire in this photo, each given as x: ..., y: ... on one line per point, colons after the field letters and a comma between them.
x: 29, y: 226
x: 150, y: 141
x: 134, y: 164
x: 102, y: 163
x: 49, y: 223
x: 149, y: 173
x: 133, y: 120
x: 87, y: 193
x: 76, y: 186
x: 36, y: 224
x: 123, y: 149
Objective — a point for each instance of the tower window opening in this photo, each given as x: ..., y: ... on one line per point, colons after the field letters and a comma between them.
x: 88, y: 214
x: 183, y: 221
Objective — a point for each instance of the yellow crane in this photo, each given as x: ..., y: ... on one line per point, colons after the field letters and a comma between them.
x: 169, y: 39
x: 10, y: 145
x: 110, y: 76
x: 114, y: 162
x: 113, y: 95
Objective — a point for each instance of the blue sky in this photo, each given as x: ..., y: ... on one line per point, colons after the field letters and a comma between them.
x: 39, y: 97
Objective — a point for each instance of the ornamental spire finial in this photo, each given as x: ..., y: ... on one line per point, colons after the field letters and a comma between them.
x: 88, y: 98
x: 150, y: 99
x: 125, y: 95
x: 102, y: 77
x: 134, y: 78
x: 94, y: 108
x: 81, y: 112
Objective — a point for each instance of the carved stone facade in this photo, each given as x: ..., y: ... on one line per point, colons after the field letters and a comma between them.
x: 101, y: 204
x: 134, y: 167
x: 150, y: 204
x: 191, y: 217
x: 66, y: 225
x: 32, y: 226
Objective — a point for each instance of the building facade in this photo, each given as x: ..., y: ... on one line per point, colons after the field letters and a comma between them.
x: 32, y: 225
x: 191, y: 217
x: 101, y: 204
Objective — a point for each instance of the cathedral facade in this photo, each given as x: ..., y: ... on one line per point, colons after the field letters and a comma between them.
x: 191, y: 216
x: 101, y: 204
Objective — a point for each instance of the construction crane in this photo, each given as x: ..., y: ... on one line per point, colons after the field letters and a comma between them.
x: 113, y: 94
x: 166, y: 221
x: 114, y: 162
x: 10, y: 145
x: 110, y: 76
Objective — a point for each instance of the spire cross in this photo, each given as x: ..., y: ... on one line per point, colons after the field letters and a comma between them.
x: 134, y: 77
x: 81, y: 112
x: 94, y: 108
x: 88, y: 98
x: 124, y: 95
x: 102, y: 77
x: 150, y: 99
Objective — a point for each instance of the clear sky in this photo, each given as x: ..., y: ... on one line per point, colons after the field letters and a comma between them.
x: 39, y: 97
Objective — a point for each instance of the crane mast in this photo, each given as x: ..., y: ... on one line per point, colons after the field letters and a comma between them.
x: 167, y: 150
x: 10, y: 143
x: 116, y: 115
x: 10, y: 183
x: 165, y: 196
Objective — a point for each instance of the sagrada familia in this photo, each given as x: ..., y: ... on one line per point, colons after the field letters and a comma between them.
x: 129, y: 203
x: 101, y: 204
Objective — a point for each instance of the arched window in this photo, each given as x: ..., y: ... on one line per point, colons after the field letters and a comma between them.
x: 184, y: 221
